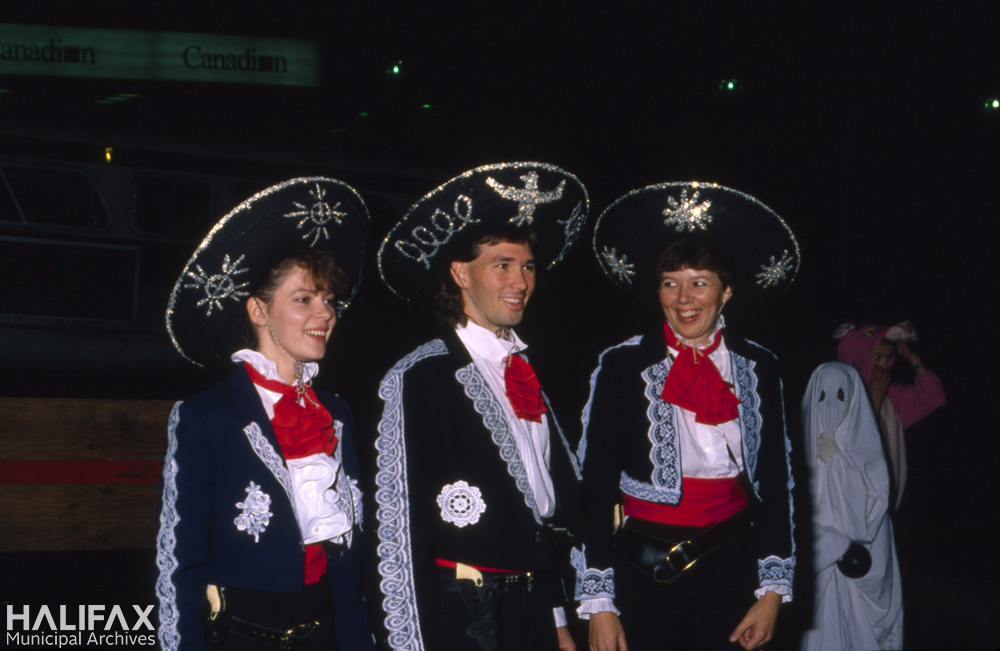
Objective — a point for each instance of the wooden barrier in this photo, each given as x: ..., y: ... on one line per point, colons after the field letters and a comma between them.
x: 112, y: 449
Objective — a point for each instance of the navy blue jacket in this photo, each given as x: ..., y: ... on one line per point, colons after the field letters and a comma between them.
x: 220, y: 448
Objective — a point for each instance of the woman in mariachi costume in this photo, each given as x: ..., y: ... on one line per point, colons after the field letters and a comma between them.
x: 476, y: 482
x: 684, y: 451
x: 260, y: 506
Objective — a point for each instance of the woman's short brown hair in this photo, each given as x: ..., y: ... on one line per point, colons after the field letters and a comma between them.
x: 320, y: 266
x: 689, y: 254
x: 448, y: 304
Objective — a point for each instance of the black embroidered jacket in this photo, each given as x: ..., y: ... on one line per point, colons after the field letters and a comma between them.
x: 630, y: 445
x: 451, y: 486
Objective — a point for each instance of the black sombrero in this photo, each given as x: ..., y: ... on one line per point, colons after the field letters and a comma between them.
x: 205, y: 313
x: 758, y: 246
x: 538, y: 197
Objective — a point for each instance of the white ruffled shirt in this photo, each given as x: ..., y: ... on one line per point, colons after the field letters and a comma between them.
x: 531, y: 439
x: 315, y: 478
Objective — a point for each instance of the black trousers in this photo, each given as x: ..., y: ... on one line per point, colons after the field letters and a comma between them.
x: 282, y: 611
x: 497, y: 616
x: 698, y: 611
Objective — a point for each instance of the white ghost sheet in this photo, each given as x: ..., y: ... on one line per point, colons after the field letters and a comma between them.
x: 850, y: 490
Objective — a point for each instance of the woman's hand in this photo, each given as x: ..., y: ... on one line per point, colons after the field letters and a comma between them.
x: 606, y: 633
x: 878, y: 386
x: 904, y: 351
x: 758, y: 625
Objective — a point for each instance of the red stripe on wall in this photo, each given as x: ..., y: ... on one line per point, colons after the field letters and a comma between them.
x: 79, y: 472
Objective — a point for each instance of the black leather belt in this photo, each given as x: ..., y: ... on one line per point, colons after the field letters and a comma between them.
x: 285, y: 640
x: 666, y: 560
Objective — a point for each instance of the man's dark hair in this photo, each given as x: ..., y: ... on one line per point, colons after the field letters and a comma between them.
x: 448, y: 304
x: 320, y: 266
x: 689, y: 254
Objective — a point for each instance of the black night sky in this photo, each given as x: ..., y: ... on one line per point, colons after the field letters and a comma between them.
x: 862, y: 124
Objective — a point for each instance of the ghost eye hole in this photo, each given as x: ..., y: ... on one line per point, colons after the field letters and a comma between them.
x: 822, y: 395
x: 840, y: 394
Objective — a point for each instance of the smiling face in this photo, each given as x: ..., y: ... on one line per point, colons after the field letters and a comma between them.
x: 496, y: 285
x: 301, y: 316
x: 692, y: 300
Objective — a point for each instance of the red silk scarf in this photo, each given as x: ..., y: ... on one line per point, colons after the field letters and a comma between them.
x: 302, y: 430
x: 694, y: 383
x: 523, y: 389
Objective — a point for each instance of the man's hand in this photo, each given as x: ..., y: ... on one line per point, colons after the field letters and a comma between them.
x: 877, y: 387
x: 758, y: 625
x: 566, y: 642
x: 606, y: 633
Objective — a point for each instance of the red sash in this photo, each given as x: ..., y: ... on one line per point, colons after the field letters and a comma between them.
x: 703, y: 502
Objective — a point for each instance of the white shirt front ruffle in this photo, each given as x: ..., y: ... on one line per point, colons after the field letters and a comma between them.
x: 321, y: 508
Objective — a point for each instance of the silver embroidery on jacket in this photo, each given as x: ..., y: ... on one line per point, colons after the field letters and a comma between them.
x: 461, y: 504
x: 393, y: 514
x: 493, y: 418
x: 262, y: 447
x: 582, y: 450
x: 255, y: 516
x: 750, y: 419
x: 664, y: 452
x: 166, y: 542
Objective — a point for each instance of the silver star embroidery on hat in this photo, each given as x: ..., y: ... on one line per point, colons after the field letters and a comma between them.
x: 527, y: 197
x: 571, y: 229
x: 319, y: 214
x: 618, y: 266
x: 775, y: 271
x: 687, y: 214
x: 219, y: 286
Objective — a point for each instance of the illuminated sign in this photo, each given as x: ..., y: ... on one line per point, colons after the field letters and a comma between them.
x: 128, y: 54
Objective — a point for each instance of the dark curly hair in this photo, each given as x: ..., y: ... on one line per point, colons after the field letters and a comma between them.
x: 319, y: 265
x: 687, y: 253
x: 449, y: 307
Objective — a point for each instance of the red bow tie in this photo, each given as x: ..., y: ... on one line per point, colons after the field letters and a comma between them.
x: 523, y: 390
x: 695, y: 384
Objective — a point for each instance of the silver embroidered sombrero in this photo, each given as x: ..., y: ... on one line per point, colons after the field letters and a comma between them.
x: 536, y: 197
x: 205, y: 315
x: 758, y: 246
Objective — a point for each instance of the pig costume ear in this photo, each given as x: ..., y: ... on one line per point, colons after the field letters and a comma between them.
x: 901, y: 332
x: 842, y: 330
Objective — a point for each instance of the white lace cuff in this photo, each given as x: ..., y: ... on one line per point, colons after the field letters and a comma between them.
x: 591, y: 583
x: 784, y: 590
x: 601, y: 605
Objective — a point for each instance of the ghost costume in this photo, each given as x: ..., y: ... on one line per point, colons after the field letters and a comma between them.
x: 850, y: 489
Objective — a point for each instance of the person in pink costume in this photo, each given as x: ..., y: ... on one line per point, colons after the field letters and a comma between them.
x: 872, y: 350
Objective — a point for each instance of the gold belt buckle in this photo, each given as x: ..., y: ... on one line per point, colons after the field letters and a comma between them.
x: 300, y: 632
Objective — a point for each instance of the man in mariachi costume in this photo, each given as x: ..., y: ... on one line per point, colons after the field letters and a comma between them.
x: 687, y: 497
x: 475, y: 479
x: 260, y: 512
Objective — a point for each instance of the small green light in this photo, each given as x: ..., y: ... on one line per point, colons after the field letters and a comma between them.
x: 730, y: 85
x: 116, y: 99
x: 363, y: 113
x: 127, y: 95
x: 996, y: 103
x: 4, y: 90
x: 395, y: 70
x: 427, y: 106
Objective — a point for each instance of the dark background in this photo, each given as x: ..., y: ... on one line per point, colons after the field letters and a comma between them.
x: 862, y: 124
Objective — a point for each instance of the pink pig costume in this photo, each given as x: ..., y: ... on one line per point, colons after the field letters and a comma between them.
x: 905, y: 404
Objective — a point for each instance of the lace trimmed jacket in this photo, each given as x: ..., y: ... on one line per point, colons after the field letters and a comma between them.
x: 451, y: 486
x: 630, y: 445
x: 226, y: 515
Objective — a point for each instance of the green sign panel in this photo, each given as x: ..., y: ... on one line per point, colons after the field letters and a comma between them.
x: 127, y: 54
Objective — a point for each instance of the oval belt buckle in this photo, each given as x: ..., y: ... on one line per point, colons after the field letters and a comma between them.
x: 681, y: 557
